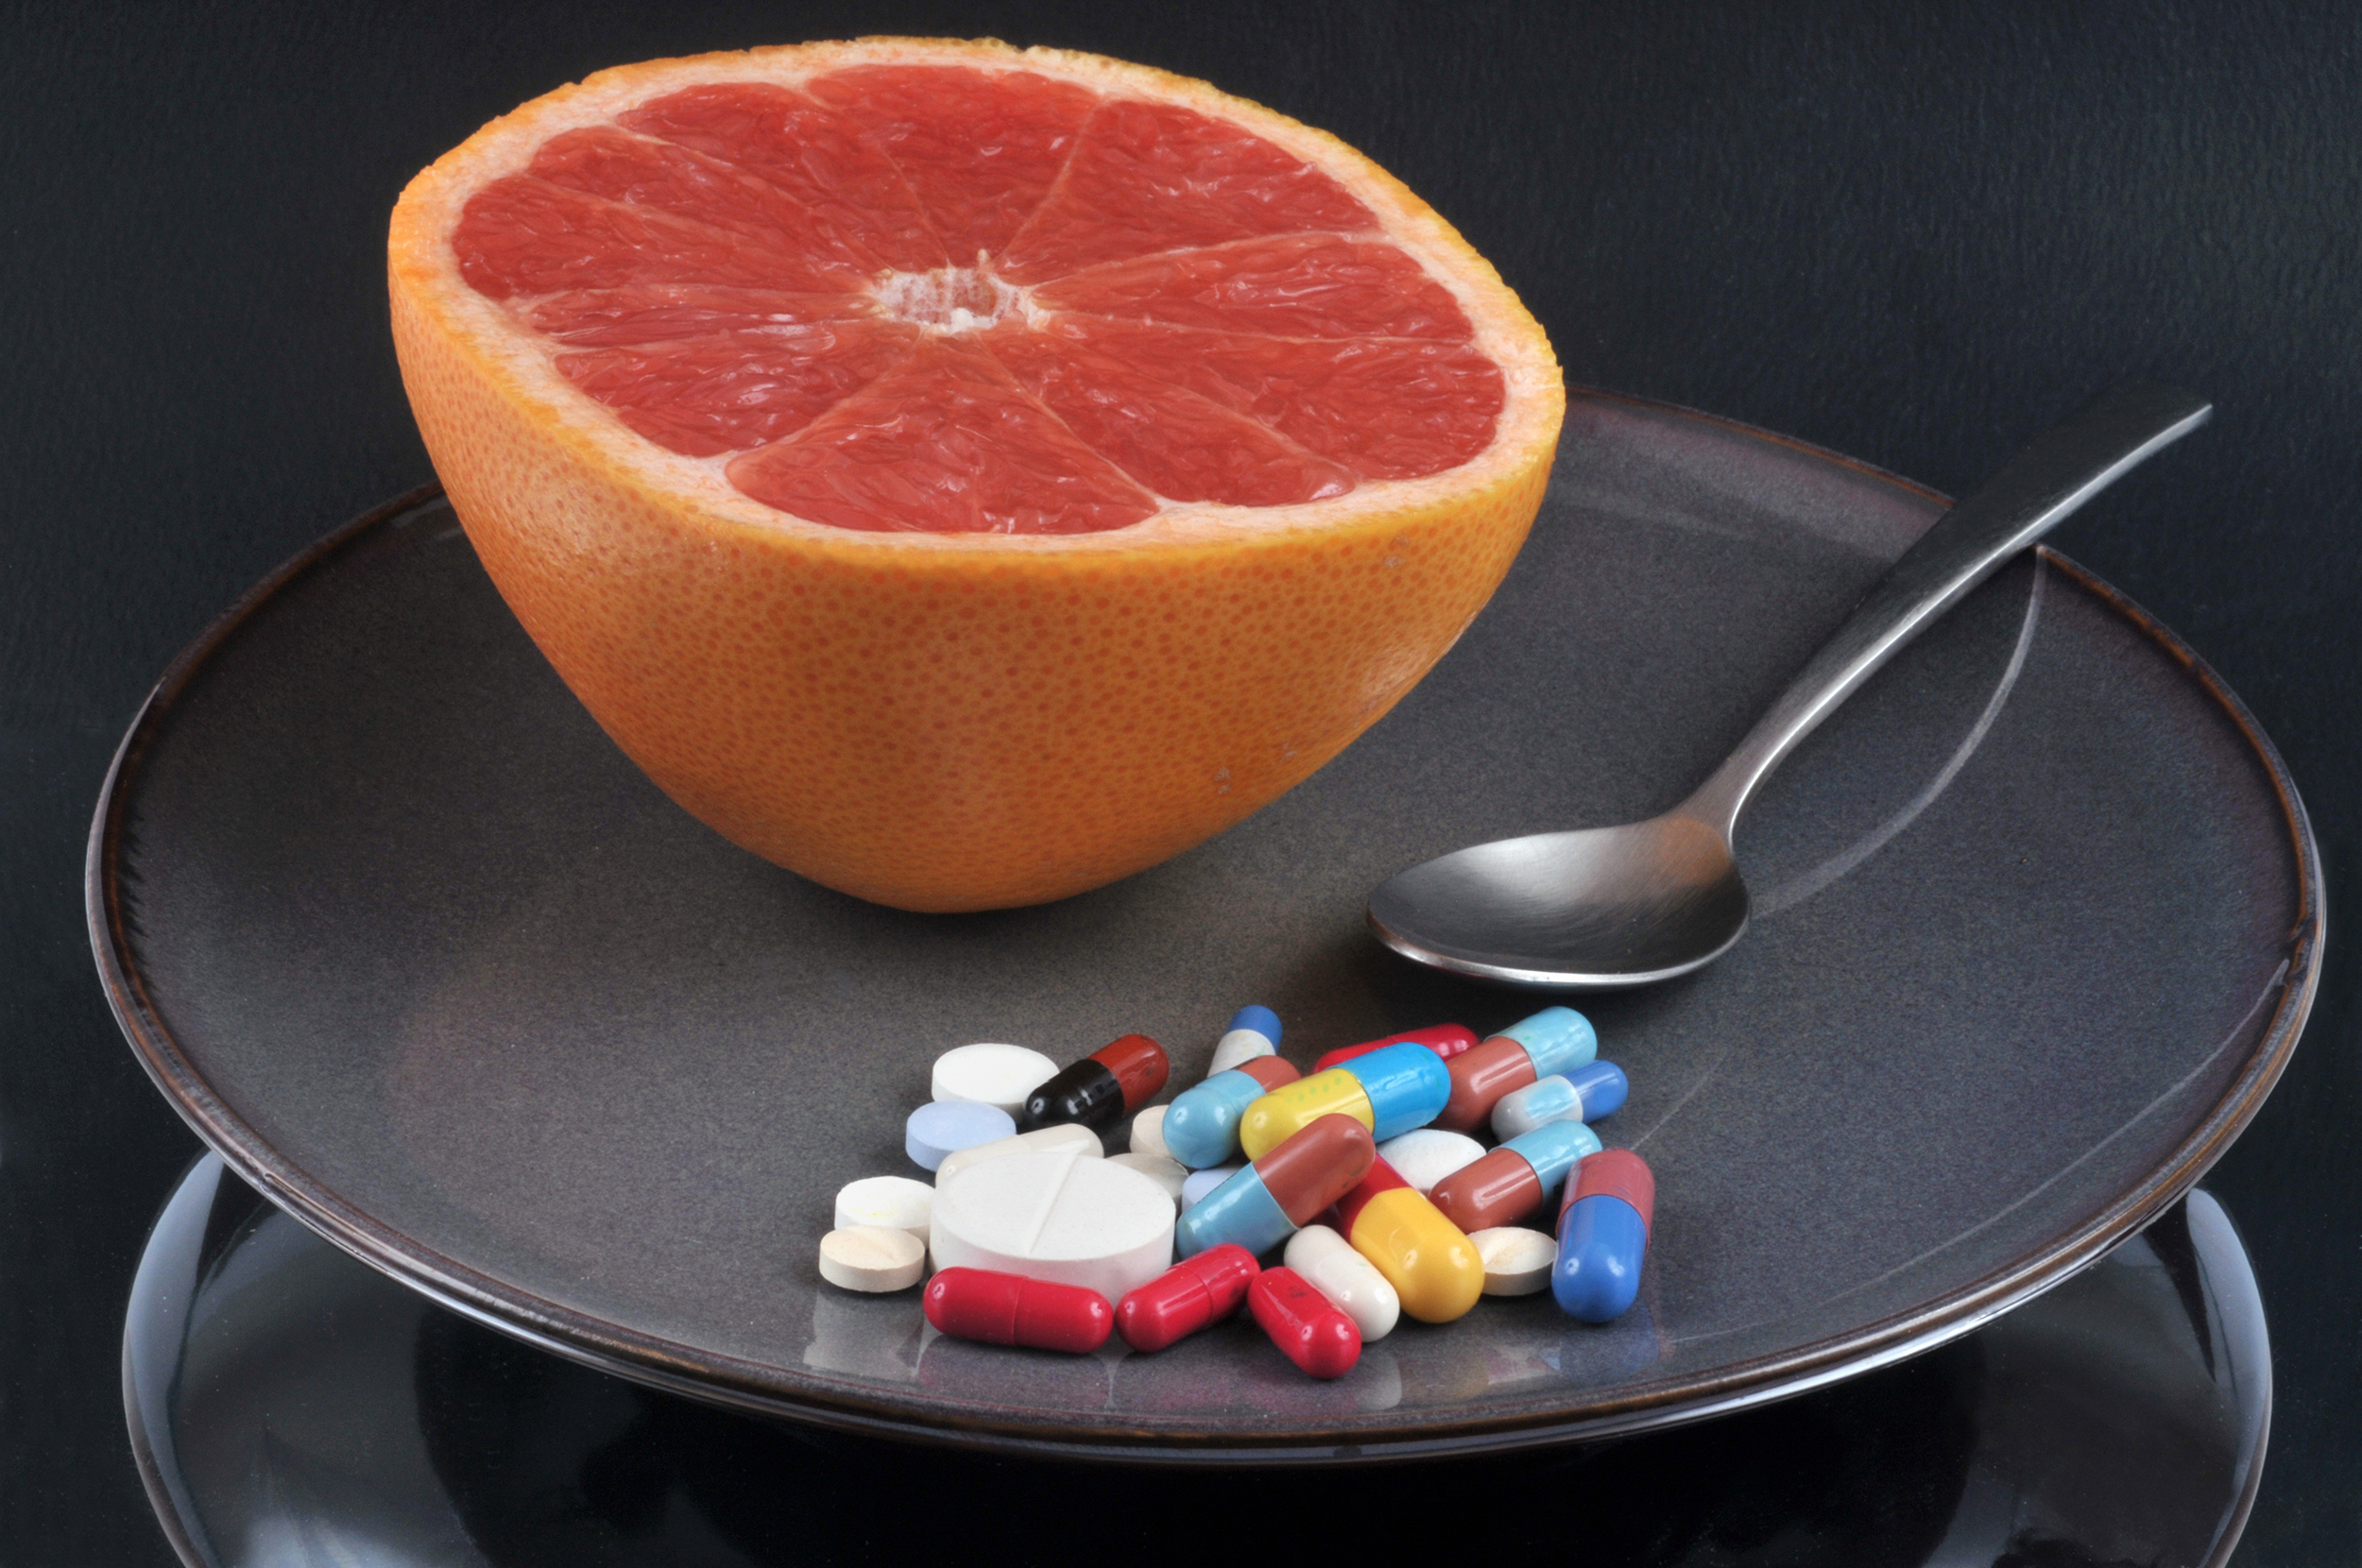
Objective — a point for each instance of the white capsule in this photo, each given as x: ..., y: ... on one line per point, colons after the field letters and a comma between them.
x: 1147, y: 1133
x: 897, y: 1202
x: 992, y: 1075
x: 1065, y: 1139
x: 1516, y: 1261
x: 1350, y: 1281
x: 1200, y: 1182
x: 1171, y: 1175
x: 872, y: 1257
x: 1239, y: 1045
x: 1428, y: 1154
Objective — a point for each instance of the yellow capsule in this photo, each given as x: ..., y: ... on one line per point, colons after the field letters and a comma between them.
x: 1291, y: 1107
x: 1429, y: 1261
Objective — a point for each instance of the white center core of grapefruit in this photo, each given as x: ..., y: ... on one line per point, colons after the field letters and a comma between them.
x: 950, y: 298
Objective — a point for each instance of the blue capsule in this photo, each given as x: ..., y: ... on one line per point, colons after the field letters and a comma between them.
x: 1202, y: 1125
x: 1254, y: 1032
x: 1603, y: 1235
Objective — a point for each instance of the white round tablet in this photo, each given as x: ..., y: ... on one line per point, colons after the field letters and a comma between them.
x: 897, y: 1202
x: 992, y: 1075
x: 1168, y: 1174
x: 872, y: 1257
x: 1516, y: 1260
x: 1147, y: 1133
x: 1065, y: 1139
x: 1055, y: 1216
x: 1426, y: 1156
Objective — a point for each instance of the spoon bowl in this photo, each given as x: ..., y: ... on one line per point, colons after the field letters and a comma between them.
x: 1604, y: 908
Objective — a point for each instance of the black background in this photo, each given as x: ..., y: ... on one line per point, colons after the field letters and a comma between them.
x: 1914, y: 234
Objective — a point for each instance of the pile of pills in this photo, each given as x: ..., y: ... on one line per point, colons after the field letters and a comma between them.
x: 1366, y: 1176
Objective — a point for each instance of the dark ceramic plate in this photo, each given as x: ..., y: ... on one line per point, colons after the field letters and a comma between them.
x: 286, y: 1404
x: 2039, y: 920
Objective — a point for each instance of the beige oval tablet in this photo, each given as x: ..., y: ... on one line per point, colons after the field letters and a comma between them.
x: 1147, y: 1133
x: 1516, y: 1261
x: 1055, y: 1216
x: 1425, y: 1155
x: 872, y: 1258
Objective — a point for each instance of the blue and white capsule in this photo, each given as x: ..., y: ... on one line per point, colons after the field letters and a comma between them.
x: 1586, y: 1093
x: 1254, y: 1032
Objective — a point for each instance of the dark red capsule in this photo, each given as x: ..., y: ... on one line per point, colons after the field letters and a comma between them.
x: 1097, y: 1092
x: 1195, y: 1293
x: 1305, y: 1324
x: 1445, y: 1040
x: 1010, y: 1309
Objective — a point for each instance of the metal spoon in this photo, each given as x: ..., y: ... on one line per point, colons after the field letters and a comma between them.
x: 1611, y: 907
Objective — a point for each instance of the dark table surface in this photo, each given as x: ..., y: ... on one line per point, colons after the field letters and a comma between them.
x: 1917, y: 239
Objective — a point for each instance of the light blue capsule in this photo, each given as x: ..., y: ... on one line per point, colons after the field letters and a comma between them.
x: 1241, y: 1210
x: 1590, y: 1091
x: 1553, y: 1149
x: 1408, y: 1086
x: 1556, y: 1039
x: 1202, y: 1126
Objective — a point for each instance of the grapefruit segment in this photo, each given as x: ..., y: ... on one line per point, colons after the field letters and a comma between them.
x: 819, y: 157
x: 1148, y: 178
x: 979, y: 149
x: 946, y: 442
x: 657, y: 313
x: 1294, y: 285
x: 1180, y: 444
x: 964, y: 476
x: 524, y: 235
x: 1385, y: 408
x: 640, y: 171
x: 725, y: 393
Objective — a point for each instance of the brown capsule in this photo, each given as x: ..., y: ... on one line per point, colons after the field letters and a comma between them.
x: 1500, y: 1189
x: 1319, y: 1163
x: 1480, y: 1078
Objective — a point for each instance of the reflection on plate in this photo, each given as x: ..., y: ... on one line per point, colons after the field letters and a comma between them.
x: 288, y: 1405
x: 423, y: 957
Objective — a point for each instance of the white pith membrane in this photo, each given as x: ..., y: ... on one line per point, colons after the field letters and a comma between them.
x: 951, y: 300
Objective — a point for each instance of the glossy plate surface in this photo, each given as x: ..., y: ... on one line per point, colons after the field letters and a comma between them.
x: 286, y: 1404
x: 2038, y: 920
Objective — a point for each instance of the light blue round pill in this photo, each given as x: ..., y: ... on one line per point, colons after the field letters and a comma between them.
x: 1201, y: 1182
x: 947, y: 1126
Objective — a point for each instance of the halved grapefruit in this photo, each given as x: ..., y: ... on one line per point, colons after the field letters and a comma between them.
x: 965, y: 476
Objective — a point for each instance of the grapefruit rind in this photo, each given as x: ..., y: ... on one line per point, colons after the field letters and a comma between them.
x: 942, y: 721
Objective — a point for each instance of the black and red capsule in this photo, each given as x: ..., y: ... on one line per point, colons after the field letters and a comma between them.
x: 1099, y: 1090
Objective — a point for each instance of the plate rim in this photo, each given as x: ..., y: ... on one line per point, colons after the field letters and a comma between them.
x: 718, y: 1378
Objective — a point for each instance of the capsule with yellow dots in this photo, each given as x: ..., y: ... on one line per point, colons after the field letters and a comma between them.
x: 1435, y: 1269
x: 1389, y: 1091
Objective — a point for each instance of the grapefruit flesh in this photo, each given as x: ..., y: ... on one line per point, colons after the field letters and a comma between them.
x: 964, y: 476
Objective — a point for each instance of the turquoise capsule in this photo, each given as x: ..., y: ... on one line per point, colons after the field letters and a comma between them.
x: 1556, y: 1039
x: 1553, y: 1149
x: 1407, y: 1084
x: 1241, y: 1210
x: 1202, y: 1127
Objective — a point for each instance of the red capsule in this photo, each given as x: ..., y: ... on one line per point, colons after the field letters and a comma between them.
x: 1303, y: 1323
x: 1010, y: 1309
x: 1140, y: 1065
x: 1445, y: 1040
x: 1195, y: 1293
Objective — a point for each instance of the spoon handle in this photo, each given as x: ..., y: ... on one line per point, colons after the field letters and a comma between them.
x: 2034, y: 491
